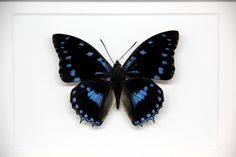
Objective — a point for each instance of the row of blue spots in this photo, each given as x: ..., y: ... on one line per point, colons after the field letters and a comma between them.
x: 142, y: 52
x: 104, y: 64
x: 129, y: 62
x: 149, y: 116
x: 160, y: 72
x: 89, y: 54
x: 72, y: 73
x: 85, y: 116
x: 139, y: 96
x: 65, y: 51
x: 81, y: 112
x: 144, y: 119
x: 168, y: 39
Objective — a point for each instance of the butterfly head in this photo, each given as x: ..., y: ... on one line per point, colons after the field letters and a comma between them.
x: 117, y: 64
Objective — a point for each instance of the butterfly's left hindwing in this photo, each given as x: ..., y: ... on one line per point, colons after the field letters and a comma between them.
x: 92, y: 100
x: 154, y: 58
x: 78, y: 60
x: 142, y: 99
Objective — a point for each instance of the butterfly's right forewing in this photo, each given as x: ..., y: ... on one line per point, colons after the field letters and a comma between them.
x: 154, y: 58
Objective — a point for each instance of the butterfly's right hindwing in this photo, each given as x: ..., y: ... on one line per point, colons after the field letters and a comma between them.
x: 142, y: 99
x: 78, y: 60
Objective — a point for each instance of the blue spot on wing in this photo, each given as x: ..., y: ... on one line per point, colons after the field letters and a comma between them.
x: 150, y: 42
x: 68, y: 58
x: 89, y: 54
x: 164, y: 55
x: 104, y: 64
x: 88, y: 89
x: 142, y: 52
x: 99, y: 73
x: 157, y: 77
x: 72, y: 73
x: 164, y: 62
x: 160, y: 70
x: 74, y: 99
x: 68, y: 65
x: 137, y: 97
x: 95, y: 97
x: 130, y: 61
x: 76, y: 79
x: 81, y: 43
x: 62, y: 43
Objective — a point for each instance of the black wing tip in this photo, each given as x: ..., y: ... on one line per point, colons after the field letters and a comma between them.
x: 56, y: 35
x: 172, y: 31
x: 59, y: 35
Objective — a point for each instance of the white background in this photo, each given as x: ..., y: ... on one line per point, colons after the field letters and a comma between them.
x: 197, y: 115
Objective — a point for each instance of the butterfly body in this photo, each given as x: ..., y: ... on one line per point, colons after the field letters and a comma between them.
x: 117, y: 77
x: 131, y: 83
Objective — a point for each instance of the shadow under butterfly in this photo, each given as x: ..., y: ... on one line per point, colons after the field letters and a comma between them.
x: 92, y: 97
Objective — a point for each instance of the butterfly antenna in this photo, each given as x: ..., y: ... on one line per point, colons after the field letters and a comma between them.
x: 106, y: 50
x: 127, y: 50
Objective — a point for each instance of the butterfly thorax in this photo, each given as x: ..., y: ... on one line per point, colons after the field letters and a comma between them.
x: 117, y: 79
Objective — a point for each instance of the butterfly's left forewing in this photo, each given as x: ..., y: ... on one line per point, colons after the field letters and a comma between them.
x: 142, y: 99
x: 78, y: 59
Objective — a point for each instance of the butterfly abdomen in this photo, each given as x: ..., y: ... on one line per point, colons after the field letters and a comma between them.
x: 117, y: 77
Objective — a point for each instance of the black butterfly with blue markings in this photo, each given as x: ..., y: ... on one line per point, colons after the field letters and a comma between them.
x: 92, y: 97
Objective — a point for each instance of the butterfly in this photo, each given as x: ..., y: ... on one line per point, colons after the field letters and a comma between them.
x: 130, y: 83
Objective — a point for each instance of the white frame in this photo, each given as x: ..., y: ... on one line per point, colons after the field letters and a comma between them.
x: 225, y: 11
